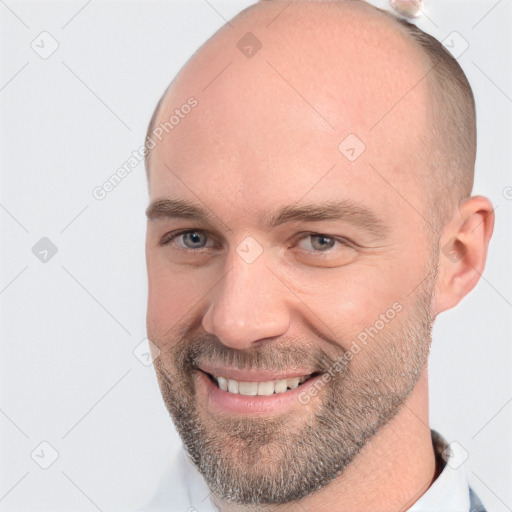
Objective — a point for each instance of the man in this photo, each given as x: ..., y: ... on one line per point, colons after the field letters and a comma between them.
x: 310, y: 174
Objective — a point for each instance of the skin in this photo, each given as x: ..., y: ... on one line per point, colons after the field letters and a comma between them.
x: 254, y: 144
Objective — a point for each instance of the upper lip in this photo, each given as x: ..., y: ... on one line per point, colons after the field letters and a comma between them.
x: 253, y: 375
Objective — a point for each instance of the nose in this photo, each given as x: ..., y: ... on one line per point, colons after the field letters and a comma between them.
x: 247, y: 305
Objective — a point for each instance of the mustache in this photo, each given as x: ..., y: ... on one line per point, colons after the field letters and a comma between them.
x: 271, y: 355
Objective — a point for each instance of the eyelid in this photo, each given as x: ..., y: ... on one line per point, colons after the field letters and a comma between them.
x: 342, y: 240
x: 168, y: 238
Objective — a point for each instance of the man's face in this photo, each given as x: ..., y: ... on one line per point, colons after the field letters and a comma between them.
x: 247, y: 290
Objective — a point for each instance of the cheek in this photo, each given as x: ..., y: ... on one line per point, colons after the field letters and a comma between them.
x: 173, y: 295
x: 166, y: 313
x: 344, y: 303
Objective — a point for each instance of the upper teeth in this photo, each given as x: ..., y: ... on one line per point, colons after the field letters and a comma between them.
x: 259, y: 388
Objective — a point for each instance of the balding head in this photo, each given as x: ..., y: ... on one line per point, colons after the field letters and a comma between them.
x: 364, y: 70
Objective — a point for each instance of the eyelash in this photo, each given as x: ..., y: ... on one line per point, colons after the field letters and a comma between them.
x: 169, y: 238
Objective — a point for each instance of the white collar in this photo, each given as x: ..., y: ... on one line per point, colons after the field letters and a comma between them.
x: 450, y: 491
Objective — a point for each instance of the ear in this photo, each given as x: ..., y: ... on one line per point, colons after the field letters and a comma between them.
x: 463, y: 253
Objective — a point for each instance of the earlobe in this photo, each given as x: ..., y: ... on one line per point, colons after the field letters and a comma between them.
x: 463, y: 252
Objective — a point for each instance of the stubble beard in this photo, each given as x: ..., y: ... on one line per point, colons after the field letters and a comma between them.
x: 282, y: 459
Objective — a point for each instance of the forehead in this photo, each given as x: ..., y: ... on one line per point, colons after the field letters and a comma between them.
x: 289, y: 121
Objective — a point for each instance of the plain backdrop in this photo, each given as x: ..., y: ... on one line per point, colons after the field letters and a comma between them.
x: 73, y: 277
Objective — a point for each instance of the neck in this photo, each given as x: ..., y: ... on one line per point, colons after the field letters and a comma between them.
x: 391, y: 473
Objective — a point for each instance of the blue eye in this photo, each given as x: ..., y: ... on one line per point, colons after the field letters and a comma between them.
x: 323, y: 242
x: 193, y: 239
x: 319, y: 242
x: 196, y: 240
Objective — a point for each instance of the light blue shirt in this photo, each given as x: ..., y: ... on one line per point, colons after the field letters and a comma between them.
x: 183, y: 489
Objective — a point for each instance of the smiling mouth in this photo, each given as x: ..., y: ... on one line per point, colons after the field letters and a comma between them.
x: 267, y: 388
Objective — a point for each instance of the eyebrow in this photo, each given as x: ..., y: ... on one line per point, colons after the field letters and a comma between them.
x: 342, y: 210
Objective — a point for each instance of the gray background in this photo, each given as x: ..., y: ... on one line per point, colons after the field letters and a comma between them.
x: 71, y: 323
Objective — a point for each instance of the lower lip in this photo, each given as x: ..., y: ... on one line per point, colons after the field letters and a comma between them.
x: 219, y: 400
